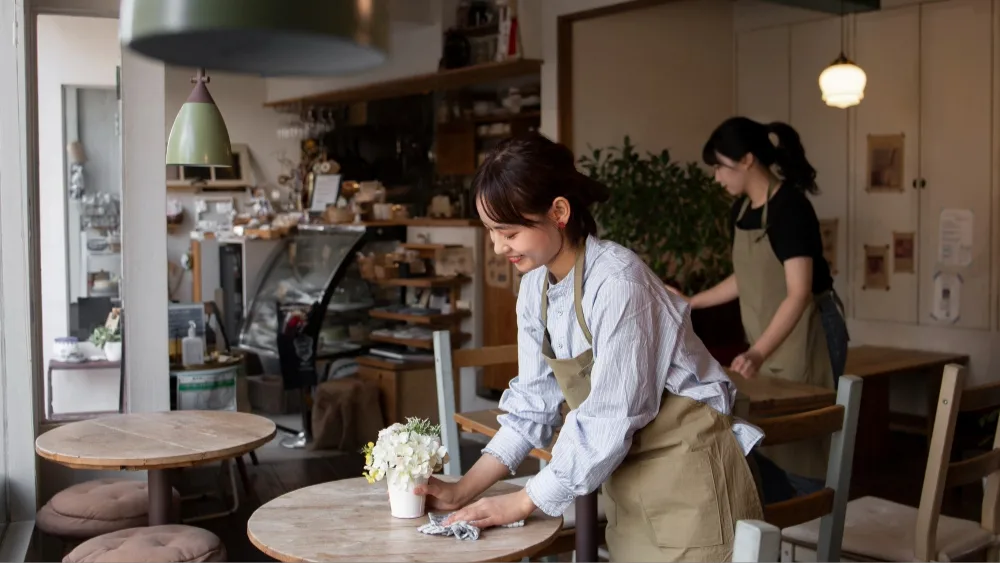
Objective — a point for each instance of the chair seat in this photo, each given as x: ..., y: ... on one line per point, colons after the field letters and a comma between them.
x: 569, y: 517
x: 878, y: 529
x: 156, y: 544
x: 92, y: 508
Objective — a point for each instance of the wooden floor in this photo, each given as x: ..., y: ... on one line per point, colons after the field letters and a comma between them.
x: 901, y: 483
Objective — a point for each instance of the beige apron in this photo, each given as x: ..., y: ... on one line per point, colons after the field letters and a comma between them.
x: 685, y: 481
x: 802, y: 357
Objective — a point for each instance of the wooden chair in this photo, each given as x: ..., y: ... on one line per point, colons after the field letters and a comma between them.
x: 827, y: 505
x: 756, y: 542
x: 880, y: 530
x: 448, y: 365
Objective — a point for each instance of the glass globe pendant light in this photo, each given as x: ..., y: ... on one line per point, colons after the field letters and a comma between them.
x: 263, y: 37
x: 842, y: 84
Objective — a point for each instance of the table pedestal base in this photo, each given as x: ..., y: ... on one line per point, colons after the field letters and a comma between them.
x: 161, y: 505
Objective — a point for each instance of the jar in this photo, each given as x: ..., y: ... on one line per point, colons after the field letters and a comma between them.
x: 66, y: 348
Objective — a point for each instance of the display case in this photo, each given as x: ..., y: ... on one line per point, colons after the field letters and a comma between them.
x: 316, y: 271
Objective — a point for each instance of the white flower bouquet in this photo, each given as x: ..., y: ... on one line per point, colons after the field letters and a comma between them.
x: 405, y: 455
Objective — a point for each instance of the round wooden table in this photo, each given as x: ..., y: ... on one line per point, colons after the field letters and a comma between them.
x: 349, y: 520
x: 156, y: 442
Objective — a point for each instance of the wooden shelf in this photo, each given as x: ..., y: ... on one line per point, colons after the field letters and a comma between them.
x: 420, y: 319
x: 420, y: 222
x: 432, y: 247
x: 422, y: 83
x: 392, y: 365
x: 456, y: 338
x: 527, y: 115
x: 448, y: 281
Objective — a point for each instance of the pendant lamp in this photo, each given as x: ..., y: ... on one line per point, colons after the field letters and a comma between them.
x: 199, y: 136
x: 843, y: 82
x: 264, y: 37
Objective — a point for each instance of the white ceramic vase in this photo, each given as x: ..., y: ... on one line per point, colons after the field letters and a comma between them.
x: 113, y: 351
x: 403, y: 503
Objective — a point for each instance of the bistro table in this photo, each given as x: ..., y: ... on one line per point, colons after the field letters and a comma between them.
x: 349, y: 520
x: 157, y: 442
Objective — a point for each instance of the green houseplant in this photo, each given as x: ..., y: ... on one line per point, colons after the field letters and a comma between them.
x: 110, y: 340
x: 674, y: 216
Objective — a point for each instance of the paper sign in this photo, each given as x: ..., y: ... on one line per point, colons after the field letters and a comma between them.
x: 955, y: 237
x: 876, y: 267
x: 885, y: 163
x: 902, y: 253
x: 828, y: 232
x: 947, y: 297
x: 326, y: 190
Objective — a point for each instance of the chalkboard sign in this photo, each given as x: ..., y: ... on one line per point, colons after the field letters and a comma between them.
x: 181, y: 314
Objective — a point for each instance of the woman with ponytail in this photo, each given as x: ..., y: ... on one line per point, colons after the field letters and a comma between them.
x: 650, y: 414
x: 792, y: 318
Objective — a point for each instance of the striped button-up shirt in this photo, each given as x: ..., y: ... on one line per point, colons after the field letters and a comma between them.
x: 643, y: 343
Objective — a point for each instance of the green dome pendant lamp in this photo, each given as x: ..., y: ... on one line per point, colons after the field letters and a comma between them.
x: 199, y: 136
x: 263, y: 37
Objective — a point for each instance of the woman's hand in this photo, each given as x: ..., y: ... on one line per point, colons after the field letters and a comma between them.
x: 495, y: 511
x: 442, y: 495
x: 748, y: 363
x: 677, y: 292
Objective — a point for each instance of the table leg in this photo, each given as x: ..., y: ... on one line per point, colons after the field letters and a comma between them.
x: 586, y: 528
x: 161, y: 497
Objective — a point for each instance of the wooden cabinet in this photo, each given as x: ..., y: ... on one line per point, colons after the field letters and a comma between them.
x: 930, y: 69
x: 891, y: 107
x: 956, y: 131
x: 407, y: 388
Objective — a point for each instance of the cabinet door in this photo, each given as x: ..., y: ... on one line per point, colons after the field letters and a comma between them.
x: 762, y: 74
x: 956, y: 89
x: 823, y: 130
x: 887, y: 47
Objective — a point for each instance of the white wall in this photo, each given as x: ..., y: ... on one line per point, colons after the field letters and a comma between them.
x: 240, y: 99
x: 635, y: 73
x: 71, y: 51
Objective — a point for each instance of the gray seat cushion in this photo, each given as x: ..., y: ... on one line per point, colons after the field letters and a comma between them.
x: 156, y: 544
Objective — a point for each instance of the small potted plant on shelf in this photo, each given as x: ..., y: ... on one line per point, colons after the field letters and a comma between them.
x: 405, y: 455
x: 110, y: 340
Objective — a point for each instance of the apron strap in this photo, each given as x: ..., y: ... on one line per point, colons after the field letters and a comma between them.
x: 577, y: 302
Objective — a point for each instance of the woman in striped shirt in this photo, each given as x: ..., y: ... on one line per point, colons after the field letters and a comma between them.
x: 650, y: 407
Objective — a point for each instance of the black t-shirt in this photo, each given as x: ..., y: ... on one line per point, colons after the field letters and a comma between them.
x: 792, y: 229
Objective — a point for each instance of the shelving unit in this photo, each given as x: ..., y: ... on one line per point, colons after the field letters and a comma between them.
x: 451, y: 320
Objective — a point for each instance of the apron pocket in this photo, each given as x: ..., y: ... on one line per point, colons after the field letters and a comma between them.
x: 679, y: 499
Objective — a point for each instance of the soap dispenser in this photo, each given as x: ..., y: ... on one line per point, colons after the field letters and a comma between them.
x: 192, y: 348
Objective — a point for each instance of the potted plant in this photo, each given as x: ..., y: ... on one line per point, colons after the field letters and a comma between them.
x: 405, y: 455
x: 676, y: 218
x: 109, y: 339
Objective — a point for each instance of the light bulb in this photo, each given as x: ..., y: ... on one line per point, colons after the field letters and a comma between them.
x: 843, y: 83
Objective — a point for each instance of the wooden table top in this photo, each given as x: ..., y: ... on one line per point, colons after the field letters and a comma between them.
x: 874, y: 361
x: 349, y: 520
x: 156, y: 440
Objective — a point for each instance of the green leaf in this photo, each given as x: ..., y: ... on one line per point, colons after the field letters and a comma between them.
x: 673, y: 215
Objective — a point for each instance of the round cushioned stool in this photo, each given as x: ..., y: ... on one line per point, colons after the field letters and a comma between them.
x: 156, y: 544
x: 87, y: 510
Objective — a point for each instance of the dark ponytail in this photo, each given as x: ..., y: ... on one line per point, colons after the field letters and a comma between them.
x: 524, y: 175
x: 738, y: 136
x: 790, y: 158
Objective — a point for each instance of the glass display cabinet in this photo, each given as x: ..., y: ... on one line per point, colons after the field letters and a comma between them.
x: 316, y: 272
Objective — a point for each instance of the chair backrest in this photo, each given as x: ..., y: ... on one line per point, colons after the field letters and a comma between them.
x: 942, y: 474
x: 448, y: 366
x: 756, y: 542
x: 840, y: 422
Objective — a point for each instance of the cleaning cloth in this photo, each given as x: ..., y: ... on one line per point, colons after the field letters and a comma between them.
x: 461, y: 530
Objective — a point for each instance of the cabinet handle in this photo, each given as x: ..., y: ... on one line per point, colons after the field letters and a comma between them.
x: 923, y: 183
x: 914, y: 183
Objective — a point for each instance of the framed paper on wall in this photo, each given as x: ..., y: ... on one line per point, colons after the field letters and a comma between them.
x: 885, y: 163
